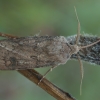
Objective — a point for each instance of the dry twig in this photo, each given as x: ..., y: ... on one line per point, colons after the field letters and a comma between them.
x: 49, y: 87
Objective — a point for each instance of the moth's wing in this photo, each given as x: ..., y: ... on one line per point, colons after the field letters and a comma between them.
x: 33, y: 52
x: 16, y: 55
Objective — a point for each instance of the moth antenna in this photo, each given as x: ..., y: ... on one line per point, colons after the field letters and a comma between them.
x: 77, y: 41
x: 82, y: 73
x: 78, y: 33
x: 46, y: 74
x: 90, y: 44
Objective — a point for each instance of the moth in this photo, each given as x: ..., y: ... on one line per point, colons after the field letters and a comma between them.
x: 20, y: 53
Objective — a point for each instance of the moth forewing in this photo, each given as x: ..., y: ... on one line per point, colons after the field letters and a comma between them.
x: 43, y: 51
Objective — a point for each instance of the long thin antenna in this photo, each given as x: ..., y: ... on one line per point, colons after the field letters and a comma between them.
x: 82, y: 73
x: 77, y: 41
x: 78, y: 33
x: 90, y: 44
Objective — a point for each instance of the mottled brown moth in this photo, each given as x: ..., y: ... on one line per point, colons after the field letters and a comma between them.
x: 20, y: 53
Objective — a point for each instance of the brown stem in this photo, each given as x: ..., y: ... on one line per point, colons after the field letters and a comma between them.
x: 53, y: 90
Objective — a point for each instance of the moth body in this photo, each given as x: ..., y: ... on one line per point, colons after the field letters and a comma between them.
x: 34, y: 52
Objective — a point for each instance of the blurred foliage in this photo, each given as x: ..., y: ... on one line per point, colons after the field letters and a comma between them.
x: 52, y: 17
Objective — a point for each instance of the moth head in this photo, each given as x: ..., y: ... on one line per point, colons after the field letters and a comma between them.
x: 74, y: 49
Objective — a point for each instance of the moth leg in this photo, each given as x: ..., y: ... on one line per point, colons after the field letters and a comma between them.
x: 78, y: 33
x: 46, y: 73
x: 8, y: 36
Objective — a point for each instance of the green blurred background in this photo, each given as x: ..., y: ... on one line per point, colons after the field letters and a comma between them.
x: 52, y: 17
